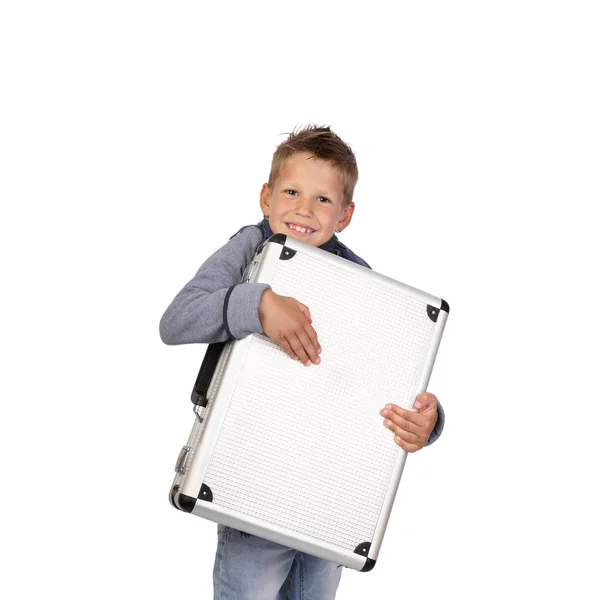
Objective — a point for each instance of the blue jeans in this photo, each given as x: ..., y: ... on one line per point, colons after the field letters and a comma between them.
x: 250, y: 568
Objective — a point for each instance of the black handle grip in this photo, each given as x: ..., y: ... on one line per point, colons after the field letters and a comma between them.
x: 207, y: 368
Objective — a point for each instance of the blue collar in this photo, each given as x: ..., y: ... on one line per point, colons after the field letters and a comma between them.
x: 329, y: 245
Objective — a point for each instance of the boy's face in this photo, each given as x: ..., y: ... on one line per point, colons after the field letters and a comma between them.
x: 307, y: 194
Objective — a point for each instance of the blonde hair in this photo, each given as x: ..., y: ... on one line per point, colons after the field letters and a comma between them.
x: 322, y: 143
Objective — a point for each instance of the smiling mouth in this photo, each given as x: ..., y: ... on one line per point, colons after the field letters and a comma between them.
x: 299, y: 229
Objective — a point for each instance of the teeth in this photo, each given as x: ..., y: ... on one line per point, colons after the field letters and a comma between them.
x: 300, y: 229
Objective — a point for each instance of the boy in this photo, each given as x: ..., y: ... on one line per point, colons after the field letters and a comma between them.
x: 308, y: 197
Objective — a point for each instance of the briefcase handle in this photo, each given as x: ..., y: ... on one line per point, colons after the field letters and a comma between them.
x: 207, y: 368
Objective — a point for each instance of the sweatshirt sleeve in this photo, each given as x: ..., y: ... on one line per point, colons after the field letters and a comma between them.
x: 215, y: 306
x: 439, y: 426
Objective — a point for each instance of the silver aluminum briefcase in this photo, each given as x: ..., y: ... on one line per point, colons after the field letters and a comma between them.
x: 298, y: 455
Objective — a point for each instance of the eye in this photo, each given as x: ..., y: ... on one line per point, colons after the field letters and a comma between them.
x: 291, y: 192
x: 324, y: 199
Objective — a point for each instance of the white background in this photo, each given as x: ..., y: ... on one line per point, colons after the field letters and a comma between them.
x: 134, y: 138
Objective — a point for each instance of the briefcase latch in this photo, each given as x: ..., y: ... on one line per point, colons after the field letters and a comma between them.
x: 180, y: 465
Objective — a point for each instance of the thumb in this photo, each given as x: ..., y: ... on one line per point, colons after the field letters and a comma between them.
x: 304, y: 310
x: 425, y: 401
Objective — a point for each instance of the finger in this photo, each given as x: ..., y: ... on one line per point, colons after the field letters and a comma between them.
x: 309, y: 347
x: 298, y: 348
x: 286, y: 347
x: 400, y: 421
x: 408, y: 447
x: 397, y: 412
x: 305, y: 311
x: 423, y: 420
x: 424, y: 401
x: 407, y: 436
x: 312, y: 334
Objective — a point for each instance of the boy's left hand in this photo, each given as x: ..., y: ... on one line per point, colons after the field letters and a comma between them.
x: 412, y: 429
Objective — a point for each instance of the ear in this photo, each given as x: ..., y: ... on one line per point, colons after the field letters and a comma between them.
x: 346, y: 217
x: 265, y: 199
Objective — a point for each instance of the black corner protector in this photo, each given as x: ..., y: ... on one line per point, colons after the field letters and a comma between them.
x: 205, y: 493
x: 185, y: 503
x: 172, y: 493
x: 363, y: 549
x: 433, y: 312
x: 445, y: 306
x: 286, y: 253
x: 368, y: 565
x: 278, y: 238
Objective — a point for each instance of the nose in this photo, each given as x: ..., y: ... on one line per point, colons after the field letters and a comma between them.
x: 304, y: 206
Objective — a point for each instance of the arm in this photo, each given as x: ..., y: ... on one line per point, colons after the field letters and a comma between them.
x: 214, y: 306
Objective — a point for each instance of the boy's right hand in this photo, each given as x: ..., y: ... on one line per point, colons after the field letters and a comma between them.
x: 288, y: 323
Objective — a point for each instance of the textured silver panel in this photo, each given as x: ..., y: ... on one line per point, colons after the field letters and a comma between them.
x: 304, y: 447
